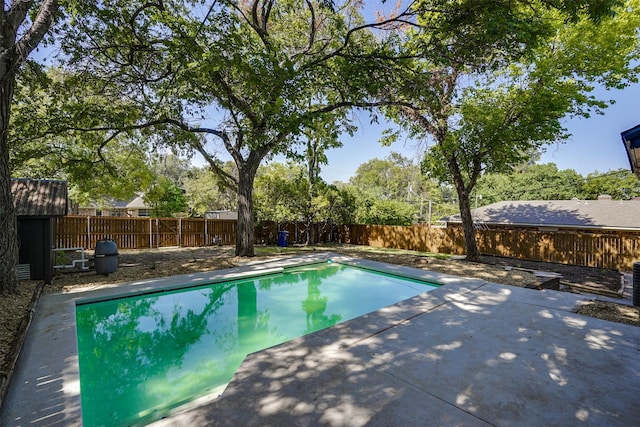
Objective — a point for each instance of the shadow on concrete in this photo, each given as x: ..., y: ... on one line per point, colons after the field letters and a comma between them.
x: 493, y: 355
x: 44, y: 390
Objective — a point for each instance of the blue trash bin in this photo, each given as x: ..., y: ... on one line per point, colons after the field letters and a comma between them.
x: 283, y: 238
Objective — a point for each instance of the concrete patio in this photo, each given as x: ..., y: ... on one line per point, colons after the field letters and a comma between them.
x: 468, y: 353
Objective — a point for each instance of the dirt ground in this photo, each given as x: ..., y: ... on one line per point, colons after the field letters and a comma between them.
x: 145, y: 264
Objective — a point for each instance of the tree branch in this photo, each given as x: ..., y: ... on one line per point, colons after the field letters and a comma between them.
x: 228, y: 180
x: 41, y: 24
x: 159, y: 5
x: 352, y: 31
x: 415, y: 115
x: 17, y: 14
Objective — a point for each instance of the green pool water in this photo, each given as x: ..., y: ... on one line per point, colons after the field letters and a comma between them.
x: 142, y: 356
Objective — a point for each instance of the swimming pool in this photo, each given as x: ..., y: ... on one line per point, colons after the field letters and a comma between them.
x: 141, y: 356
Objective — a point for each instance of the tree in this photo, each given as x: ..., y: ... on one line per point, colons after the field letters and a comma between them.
x: 55, y: 133
x: 175, y: 168
x: 263, y: 69
x: 489, y: 98
x: 620, y: 184
x: 319, y: 136
x: 383, y: 188
x: 385, y: 212
x: 23, y: 25
x: 338, y: 205
x: 281, y: 192
x: 46, y: 139
x: 166, y: 198
x: 392, y: 178
x: 204, y: 192
x: 536, y: 182
x: 398, y: 179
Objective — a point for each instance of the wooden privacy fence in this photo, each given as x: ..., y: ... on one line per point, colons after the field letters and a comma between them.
x: 613, y: 250
x: 266, y: 232
x: 416, y: 237
x: 140, y: 233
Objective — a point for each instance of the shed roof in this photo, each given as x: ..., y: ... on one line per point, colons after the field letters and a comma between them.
x: 39, y: 197
x: 603, y: 214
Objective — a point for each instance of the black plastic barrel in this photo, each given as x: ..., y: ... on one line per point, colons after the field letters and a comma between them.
x: 106, y: 257
x: 283, y: 238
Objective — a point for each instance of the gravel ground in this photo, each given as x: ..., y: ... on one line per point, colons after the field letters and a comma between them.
x: 145, y: 264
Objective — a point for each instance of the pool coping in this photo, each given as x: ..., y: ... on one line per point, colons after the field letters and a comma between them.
x: 45, y: 387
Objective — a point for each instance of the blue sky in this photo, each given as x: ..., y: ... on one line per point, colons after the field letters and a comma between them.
x: 595, y: 144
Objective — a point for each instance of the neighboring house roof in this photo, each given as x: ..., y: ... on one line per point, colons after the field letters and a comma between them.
x: 119, y: 204
x: 39, y: 197
x: 609, y: 214
x: 137, y: 203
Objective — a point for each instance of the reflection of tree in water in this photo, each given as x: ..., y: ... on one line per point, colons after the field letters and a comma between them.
x: 315, y: 304
x: 119, y: 357
x: 126, y: 343
x: 251, y: 323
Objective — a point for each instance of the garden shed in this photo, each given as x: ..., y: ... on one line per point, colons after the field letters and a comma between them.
x: 38, y: 204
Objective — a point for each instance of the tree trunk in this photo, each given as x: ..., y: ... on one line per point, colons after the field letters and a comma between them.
x: 245, y: 231
x: 311, y: 232
x: 313, y: 172
x: 464, y: 204
x: 8, y: 223
x: 12, y: 54
x: 467, y: 224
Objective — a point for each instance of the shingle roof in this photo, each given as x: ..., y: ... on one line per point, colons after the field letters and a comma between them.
x: 609, y: 214
x: 33, y: 197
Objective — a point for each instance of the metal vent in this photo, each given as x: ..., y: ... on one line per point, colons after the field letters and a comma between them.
x: 24, y: 271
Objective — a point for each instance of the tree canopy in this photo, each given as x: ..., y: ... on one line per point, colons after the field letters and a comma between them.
x: 249, y: 77
x: 620, y: 184
x: 47, y: 137
x: 547, y: 182
x: 536, y: 182
x: 486, y: 101
x: 166, y: 199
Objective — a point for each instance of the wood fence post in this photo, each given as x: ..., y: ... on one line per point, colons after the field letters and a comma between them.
x: 205, y: 232
x: 150, y: 235
x: 88, y: 231
x: 179, y: 236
